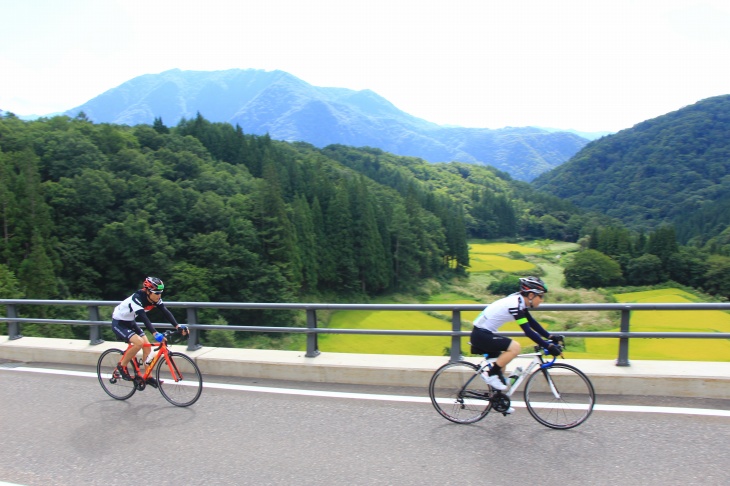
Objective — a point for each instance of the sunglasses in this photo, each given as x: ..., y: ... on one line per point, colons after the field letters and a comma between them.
x: 158, y: 292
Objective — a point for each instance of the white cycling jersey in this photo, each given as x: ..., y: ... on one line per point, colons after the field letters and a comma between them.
x: 128, y: 308
x: 498, y: 313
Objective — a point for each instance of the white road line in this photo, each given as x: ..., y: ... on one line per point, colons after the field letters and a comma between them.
x: 391, y: 398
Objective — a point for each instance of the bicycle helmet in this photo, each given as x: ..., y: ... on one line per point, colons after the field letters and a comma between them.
x: 533, y: 284
x: 154, y: 284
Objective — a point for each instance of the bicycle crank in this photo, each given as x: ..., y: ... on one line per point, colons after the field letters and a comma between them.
x: 139, y: 383
x: 500, y: 402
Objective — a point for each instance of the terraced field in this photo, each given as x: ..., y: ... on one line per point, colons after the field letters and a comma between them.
x: 492, y: 257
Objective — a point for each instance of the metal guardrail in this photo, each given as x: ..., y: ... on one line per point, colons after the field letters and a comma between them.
x: 312, y: 331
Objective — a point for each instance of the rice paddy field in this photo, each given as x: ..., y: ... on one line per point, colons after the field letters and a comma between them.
x: 487, y: 257
x: 494, y: 257
x: 667, y: 321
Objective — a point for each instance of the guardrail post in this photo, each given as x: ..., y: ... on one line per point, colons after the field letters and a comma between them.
x: 623, y: 342
x: 194, y: 338
x: 455, y: 339
x: 312, y: 342
x: 13, y: 327
x: 94, y: 330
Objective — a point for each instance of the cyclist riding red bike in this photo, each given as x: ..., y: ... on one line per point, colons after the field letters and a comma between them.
x: 127, y: 329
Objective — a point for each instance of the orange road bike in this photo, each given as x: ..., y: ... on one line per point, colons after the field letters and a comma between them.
x: 176, y: 375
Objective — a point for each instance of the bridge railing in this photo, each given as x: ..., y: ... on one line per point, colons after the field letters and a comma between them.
x: 312, y: 331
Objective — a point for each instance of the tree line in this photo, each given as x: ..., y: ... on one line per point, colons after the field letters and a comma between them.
x: 88, y: 210
x: 615, y: 255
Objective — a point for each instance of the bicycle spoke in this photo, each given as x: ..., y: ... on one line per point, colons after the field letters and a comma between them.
x: 112, y: 383
x: 560, y: 397
x: 458, y: 394
x: 179, y: 380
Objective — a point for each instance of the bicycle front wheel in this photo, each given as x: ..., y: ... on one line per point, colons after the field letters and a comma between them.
x: 459, y: 394
x: 110, y: 379
x: 179, y: 380
x: 560, y: 396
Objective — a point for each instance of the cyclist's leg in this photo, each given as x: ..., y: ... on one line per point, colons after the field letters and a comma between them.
x: 509, y: 354
x: 495, y: 345
x: 125, y: 331
x: 136, y: 342
x: 146, y: 349
x: 129, y: 332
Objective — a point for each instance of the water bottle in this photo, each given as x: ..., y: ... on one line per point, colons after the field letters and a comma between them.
x: 149, y: 359
x: 515, y: 374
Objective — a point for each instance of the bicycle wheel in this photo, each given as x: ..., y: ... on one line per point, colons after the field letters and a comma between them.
x: 459, y: 394
x: 564, y: 405
x: 180, y: 382
x: 109, y: 378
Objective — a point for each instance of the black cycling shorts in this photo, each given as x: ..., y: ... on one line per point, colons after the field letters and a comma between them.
x: 486, y: 342
x: 126, y: 329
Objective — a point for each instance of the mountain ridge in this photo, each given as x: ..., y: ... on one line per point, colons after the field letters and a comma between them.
x: 666, y: 170
x: 290, y: 109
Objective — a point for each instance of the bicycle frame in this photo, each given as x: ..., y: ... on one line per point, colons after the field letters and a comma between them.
x: 161, y: 350
x: 557, y: 395
x: 537, y: 360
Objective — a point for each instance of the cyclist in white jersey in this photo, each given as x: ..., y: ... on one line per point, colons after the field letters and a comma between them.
x: 514, y: 307
x: 135, y: 307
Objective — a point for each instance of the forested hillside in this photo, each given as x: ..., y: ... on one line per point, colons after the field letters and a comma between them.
x: 673, y: 169
x: 87, y: 210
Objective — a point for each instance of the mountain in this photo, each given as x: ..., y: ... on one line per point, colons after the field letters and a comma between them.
x: 671, y: 169
x: 290, y: 109
x: 586, y: 135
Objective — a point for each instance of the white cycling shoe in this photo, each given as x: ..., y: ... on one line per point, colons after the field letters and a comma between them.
x: 494, y: 382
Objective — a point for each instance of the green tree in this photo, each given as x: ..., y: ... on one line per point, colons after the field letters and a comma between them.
x: 9, y: 285
x: 645, y: 270
x: 277, y: 234
x: 592, y: 269
x: 340, y: 242
x: 508, y: 285
x: 160, y: 127
x: 663, y: 243
x: 306, y: 243
x: 372, y: 271
x: 403, y: 242
x: 715, y: 279
x: 688, y: 266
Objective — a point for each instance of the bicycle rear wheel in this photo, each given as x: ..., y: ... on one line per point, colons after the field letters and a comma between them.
x: 109, y: 377
x: 559, y: 397
x: 180, y: 382
x: 459, y: 394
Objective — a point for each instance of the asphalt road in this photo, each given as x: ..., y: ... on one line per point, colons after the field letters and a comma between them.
x: 57, y: 429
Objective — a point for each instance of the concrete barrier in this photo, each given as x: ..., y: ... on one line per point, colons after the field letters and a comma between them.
x: 697, y: 379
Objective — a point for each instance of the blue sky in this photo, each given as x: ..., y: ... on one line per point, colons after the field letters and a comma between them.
x: 590, y: 65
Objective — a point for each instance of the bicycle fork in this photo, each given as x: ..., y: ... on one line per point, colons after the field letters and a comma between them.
x: 551, y: 383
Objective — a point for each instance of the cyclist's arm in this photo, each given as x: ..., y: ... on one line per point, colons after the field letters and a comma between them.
x: 533, y: 329
x: 536, y: 326
x: 533, y: 335
x: 142, y: 316
x: 168, y: 315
